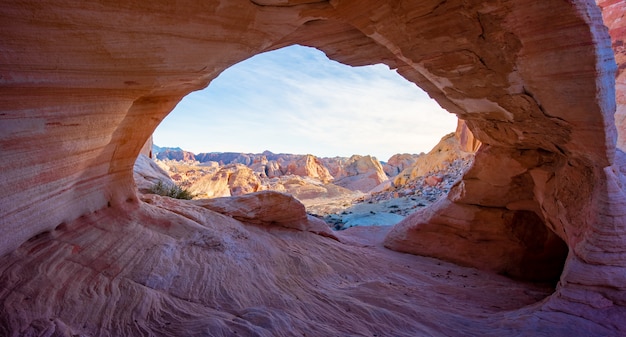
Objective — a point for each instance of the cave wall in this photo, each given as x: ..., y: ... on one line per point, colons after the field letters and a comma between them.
x: 85, y: 84
x: 614, y: 16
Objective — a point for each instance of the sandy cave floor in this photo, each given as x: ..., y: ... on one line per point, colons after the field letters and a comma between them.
x: 175, y: 269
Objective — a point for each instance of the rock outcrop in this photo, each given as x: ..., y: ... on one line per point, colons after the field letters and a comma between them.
x: 230, y: 180
x: 170, y: 268
x: 465, y: 137
x: 361, y: 173
x: 266, y: 168
x: 147, y: 173
x: 442, y: 155
x: 309, y: 166
x: 83, y: 85
x: 304, y: 177
x: 268, y: 208
x: 614, y: 19
x: 398, y: 163
x: 267, y: 164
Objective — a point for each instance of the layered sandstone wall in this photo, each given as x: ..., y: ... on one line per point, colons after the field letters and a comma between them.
x: 614, y: 16
x: 84, y: 85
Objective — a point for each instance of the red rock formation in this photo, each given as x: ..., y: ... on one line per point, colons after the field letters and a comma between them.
x: 309, y: 166
x: 361, y: 173
x: 467, y: 141
x: 83, y: 85
x: 398, y: 162
x: 614, y: 18
x: 170, y: 268
x: 441, y: 156
x: 146, y: 150
x: 232, y: 179
x: 147, y: 173
x: 268, y: 208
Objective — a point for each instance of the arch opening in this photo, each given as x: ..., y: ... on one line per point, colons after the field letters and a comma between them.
x: 295, y: 100
x: 372, y: 107
x: 539, y: 258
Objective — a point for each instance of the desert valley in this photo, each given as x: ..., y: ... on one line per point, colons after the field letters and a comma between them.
x: 344, y: 192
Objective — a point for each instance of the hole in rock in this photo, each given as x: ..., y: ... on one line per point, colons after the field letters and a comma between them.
x: 544, y: 253
x: 365, y: 129
x: 251, y: 129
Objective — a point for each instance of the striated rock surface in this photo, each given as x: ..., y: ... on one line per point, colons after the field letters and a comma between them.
x: 167, y: 267
x: 84, y: 84
x: 523, y: 248
x: 615, y: 20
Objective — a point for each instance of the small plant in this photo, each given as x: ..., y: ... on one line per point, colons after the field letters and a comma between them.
x: 172, y: 191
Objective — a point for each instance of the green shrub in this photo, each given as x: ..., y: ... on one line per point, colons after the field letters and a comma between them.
x: 172, y: 191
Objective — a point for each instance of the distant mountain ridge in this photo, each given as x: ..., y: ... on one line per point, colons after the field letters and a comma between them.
x: 157, y: 149
x: 283, y: 163
x: 223, y: 158
x: 356, y: 173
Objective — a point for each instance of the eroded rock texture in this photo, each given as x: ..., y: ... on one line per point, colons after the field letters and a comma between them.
x: 614, y: 14
x: 84, y: 84
x: 169, y: 268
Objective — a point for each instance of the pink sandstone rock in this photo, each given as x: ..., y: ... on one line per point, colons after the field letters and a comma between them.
x: 167, y: 267
x: 613, y: 14
x: 335, y: 166
x: 445, y: 152
x: 230, y: 180
x: 147, y: 173
x: 398, y: 162
x: 83, y: 86
x: 361, y: 173
x: 267, y: 208
x: 465, y: 137
x: 309, y: 166
x: 267, y: 168
x: 432, y: 180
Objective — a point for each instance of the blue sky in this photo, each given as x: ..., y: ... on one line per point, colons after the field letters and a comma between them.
x: 296, y: 100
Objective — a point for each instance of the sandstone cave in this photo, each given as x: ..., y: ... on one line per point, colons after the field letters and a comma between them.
x: 540, y: 84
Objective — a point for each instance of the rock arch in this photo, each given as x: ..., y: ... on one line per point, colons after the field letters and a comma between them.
x: 84, y: 85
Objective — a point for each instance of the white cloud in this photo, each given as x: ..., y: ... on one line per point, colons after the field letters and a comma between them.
x: 295, y: 100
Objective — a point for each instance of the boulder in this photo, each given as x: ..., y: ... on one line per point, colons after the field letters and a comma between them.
x: 267, y: 208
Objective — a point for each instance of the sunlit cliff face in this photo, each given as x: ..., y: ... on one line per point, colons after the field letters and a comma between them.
x: 84, y: 85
